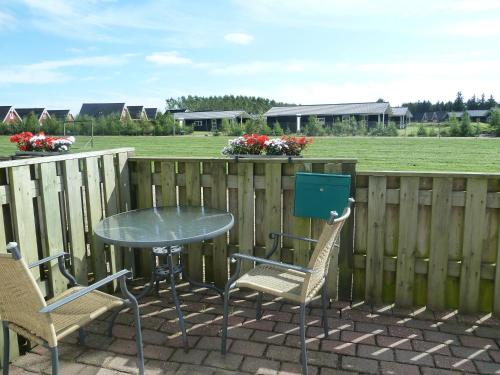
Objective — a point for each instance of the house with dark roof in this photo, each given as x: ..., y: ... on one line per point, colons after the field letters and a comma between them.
x: 436, y: 116
x: 61, y: 115
x: 8, y: 114
x: 209, y: 120
x: 475, y: 115
x: 293, y: 117
x: 104, y: 109
x: 137, y: 112
x: 151, y: 113
x: 41, y: 114
x: 401, y: 116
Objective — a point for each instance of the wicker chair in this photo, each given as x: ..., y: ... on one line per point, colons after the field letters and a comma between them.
x: 24, y: 310
x: 293, y: 283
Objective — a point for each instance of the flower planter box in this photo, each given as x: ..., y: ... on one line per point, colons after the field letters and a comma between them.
x: 35, y: 154
x: 246, y: 156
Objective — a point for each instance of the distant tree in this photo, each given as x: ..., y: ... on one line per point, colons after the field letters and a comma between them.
x: 277, y: 129
x: 482, y: 102
x: 53, y: 126
x: 453, y: 124
x: 313, y: 127
x: 465, y: 125
x: 495, y: 121
x: 458, y: 104
x: 421, y: 131
x: 473, y: 103
x: 380, y: 100
x: 491, y: 103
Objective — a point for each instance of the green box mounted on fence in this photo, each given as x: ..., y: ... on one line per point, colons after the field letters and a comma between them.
x: 317, y: 194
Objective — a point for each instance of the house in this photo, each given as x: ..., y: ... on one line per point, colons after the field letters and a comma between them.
x: 41, y: 114
x: 209, y: 120
x: 436, y: 116
x: 104, y: 109
x: 137, y: 112
x: 152, y: 113
x: 61, y: 115
x: 401, y: 116
x: 475, y: 115
x: 8, y: 114
x: 293, y: 117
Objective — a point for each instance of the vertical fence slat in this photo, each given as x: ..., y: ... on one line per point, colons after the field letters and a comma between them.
x: 219, y: 201
x: 375, y: 238
x: 51, y: 220
x: 438, y: 262
x: 302, y: 228
x: 408, y: 216
x: 246, y: 211
x: 272, y: 211
x: 111, y: 208
x: 168, y: 185
x: 125, y: 204
x: 73, y: 194
x: 496, y: 294
x: 475, y: 209
x: 260, y: 209
x: 193, y: 198
x: 94, y: 216
x: 288, y: 194
x: 144, y: 200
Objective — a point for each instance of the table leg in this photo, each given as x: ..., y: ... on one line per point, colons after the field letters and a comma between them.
x: 185, y: 276
x: 176, y: 301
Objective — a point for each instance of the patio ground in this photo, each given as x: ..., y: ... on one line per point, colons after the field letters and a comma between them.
x: 362, y: 340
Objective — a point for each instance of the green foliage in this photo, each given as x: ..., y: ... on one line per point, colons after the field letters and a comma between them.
x: 231, y: 128
x: 257, y: 125
x: 432, y: 133
x: 391, y: 130
x: 340, y: 127
x: 421, y: 132
x: 30, y: 123
x: 249, y: 104
x: 277, y: 129
x: 53, y: 126
x: 453, y: 126
x: 313, y: 127
x: 465, y: 125
x: 495, y: 121
x: 384, y: 131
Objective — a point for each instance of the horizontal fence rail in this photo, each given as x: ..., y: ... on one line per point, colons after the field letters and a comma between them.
x: 51, y: 204
x: 428, y: 239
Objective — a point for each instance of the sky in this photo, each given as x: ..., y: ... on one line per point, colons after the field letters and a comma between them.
x: 60, y: 53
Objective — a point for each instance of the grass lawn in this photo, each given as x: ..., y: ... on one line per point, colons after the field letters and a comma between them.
x: 373, y: 153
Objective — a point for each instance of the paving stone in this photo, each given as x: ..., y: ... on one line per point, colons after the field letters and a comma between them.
x: 268, y: 337
x: 151, y: 322
x: 454, y: 363
x: 489, y: 332
x: 422, y: 324
x: 153, y: 337
x: 387, y: 320
x: 322, y: 359
x: 338, y: 347
x: 101, y: 342
x: 124, y: 363
x: 414, y: 358
x: 318, y: 332
x: 123, y: 332
x: 288, y: 368
x: 378, y: 329
x: 405, y: 332
x: 375, y: 352
x: 228, y: 361
x: 263, y: 325
x: 495, y: 354
x: 193, y: 356
x: 154, y: 367
x: 358, y: 337
x: 438, y: 371
x: 369, y: 366
x: 240, y: 333
x: 441, y: 337
x: 277, y: 316
x: 455, y: 328
x: 95, y: 357
x: 487, y: 367
x: 157, y: 352
x: 286, y: 328
x: 431, y: 347
x: 478, y: 342
x: 122, y: 346
x: 392, y: 368
x: 335, y: 371
x: 211, y: 343
x: 311, y: 343
x: 187, y: 369
x: 92, y: 370
x: 283, y: 353
x: 260, y: 366
x: 471, y: 353
x: 393, y: 342
x: 248, y: 348
x: 356, y: 315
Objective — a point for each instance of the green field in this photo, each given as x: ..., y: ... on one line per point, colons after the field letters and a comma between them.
x: 373, y: 153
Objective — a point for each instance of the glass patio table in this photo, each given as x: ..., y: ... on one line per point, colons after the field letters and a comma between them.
x: 164, y: 230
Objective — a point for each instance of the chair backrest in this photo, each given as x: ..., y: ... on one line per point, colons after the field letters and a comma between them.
x: 21, y: 298
x: 320, y: 259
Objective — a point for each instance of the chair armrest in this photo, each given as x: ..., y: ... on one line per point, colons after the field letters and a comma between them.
x: 239, y: 256
x: 47, y: 259
x: 274, y: 235
x: 84, y: 291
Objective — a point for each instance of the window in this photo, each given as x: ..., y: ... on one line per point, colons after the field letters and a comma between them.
x: 321, y: 120
x: 197, y: 124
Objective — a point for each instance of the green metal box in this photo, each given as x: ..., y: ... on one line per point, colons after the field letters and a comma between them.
x: 317, y: 194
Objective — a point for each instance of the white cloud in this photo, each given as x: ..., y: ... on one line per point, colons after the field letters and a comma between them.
x: 475, y: 29
x: 239, y: 38
x: 50, y: 71
x: 168, y: 58
x: 6, y: 20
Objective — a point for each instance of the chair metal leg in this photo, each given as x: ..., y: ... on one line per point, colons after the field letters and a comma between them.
x: 225, y: 319
x: 6, y: 348
x: 54, y: 354
x: 324, y: 297
x: 303, y: 349
x: 81, y: 336
x: 258, y: 314
x: 176, y: 301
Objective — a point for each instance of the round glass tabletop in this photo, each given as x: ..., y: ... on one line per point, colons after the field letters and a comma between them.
x: 163, y: 226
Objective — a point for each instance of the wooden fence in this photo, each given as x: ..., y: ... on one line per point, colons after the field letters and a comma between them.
x: 428, y: 239
x: 50, y: 204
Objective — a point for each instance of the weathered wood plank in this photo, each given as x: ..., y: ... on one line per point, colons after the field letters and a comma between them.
x: 193, y: 198
x: 246, y: 212
x: 438, y: 261
x: 52, y: 224
x: 260, y: 200
x: 168, y: 187
x: 407, y: 242
x: 125, y: 203
x: 288, y: 171
x: 272, y: 210
x: 475, y: 208
x: 144, y: 199
x: 94, y: 215
x: 301, y: 228
x: 375, y: 239
x: 496, y: 294
x: 219, y: 201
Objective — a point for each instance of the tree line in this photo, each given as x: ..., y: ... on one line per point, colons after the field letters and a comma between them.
x: 458, y: 105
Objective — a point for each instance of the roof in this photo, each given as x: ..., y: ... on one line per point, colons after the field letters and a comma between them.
x: 371, y: 108
x: 472, y: 113
x: 24, y: 112
x: 210, y: 115
x: 151, y: 113
x: 135, y: 111
x: 401, y: 111
x: 4, y: 111
x: 59, y: 114
x: 101, y: 109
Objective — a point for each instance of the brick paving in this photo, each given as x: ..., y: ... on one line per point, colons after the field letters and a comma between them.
x: 363, y: 339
